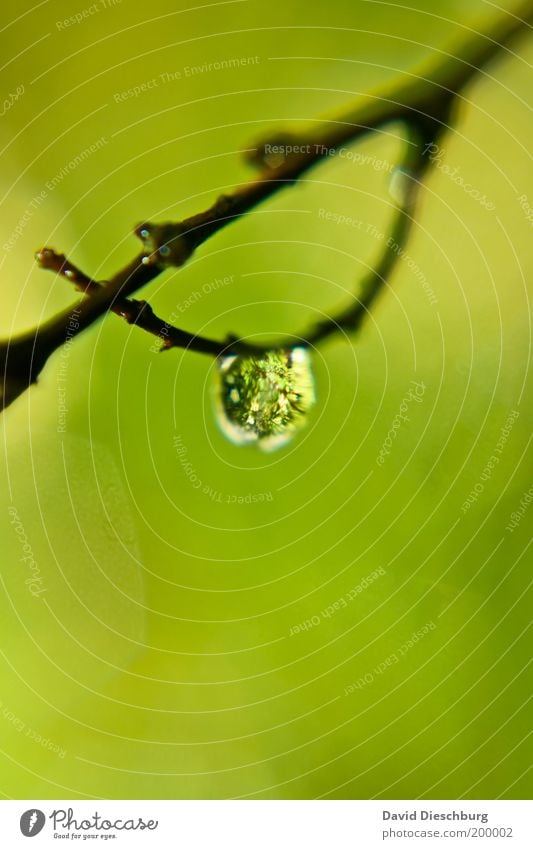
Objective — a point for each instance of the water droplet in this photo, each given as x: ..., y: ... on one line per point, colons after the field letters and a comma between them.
x: 401, y: 186
x: 264, y: 398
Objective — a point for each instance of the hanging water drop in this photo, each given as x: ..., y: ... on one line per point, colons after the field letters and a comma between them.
x: 264, y: 398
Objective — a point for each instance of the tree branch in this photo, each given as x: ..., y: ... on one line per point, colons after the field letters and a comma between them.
x: 135, y: 312
x: 424, y: 101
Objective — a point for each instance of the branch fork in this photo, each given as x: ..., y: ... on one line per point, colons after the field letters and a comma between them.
x: 423, y: 104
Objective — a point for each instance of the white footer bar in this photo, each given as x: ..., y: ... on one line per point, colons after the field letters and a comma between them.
x: 267, y: 824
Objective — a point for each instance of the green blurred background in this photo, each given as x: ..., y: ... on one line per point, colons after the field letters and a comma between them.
x: 161, y: 659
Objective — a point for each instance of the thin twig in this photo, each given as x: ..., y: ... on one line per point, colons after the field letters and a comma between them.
x: 411, y: 173
x: 427, y: 97
x: 135, y: 312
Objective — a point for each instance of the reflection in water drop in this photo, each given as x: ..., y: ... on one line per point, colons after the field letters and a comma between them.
x: 264, y: 398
